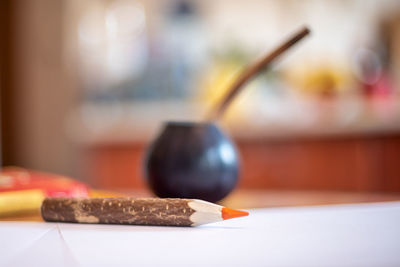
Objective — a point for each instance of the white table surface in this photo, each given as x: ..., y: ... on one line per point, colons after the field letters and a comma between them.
x: 337, y: 235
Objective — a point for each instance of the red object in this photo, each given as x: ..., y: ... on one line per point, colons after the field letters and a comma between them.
x: 382, y: 87
x: 231, y: 213
x: 52, y: 185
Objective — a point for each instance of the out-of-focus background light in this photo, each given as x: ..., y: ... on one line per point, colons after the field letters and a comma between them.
x: 89, y: 83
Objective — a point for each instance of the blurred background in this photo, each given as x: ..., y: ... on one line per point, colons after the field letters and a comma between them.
x: 86, y: 85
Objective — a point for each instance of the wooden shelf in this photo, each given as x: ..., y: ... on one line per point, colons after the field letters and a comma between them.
x: 359, y: 164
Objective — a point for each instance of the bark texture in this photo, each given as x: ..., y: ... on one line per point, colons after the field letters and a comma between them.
x: 141, y: 211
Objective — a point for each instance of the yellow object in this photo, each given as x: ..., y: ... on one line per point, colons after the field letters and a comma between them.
x: 328, y: 79
x: 104, y: 193
x: 218, y: 81
x: 25, y: 204
x: 18, y: 202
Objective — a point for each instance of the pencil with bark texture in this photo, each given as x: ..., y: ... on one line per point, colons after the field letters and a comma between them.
x: 140, y: 211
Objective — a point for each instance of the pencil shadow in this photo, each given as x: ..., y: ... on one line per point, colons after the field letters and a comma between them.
x: 218, y: 227
x: 122, y: 228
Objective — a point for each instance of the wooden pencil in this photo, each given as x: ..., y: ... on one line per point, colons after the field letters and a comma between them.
x: 136, y: 211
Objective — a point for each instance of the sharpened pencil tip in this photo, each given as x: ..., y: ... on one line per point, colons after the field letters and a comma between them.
x: 231, y: 213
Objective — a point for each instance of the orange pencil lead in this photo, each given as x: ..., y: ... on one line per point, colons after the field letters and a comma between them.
x: 231, y: 213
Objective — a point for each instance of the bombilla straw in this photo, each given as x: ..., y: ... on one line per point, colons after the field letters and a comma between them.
x: 251, y: 71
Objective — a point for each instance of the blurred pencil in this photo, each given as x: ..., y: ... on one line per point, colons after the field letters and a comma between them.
x: 141, y: 211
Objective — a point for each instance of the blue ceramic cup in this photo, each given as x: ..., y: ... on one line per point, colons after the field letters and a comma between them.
x: 192, y: 160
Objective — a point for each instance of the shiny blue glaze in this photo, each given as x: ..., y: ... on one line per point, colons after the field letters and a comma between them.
x: 192, y: 160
